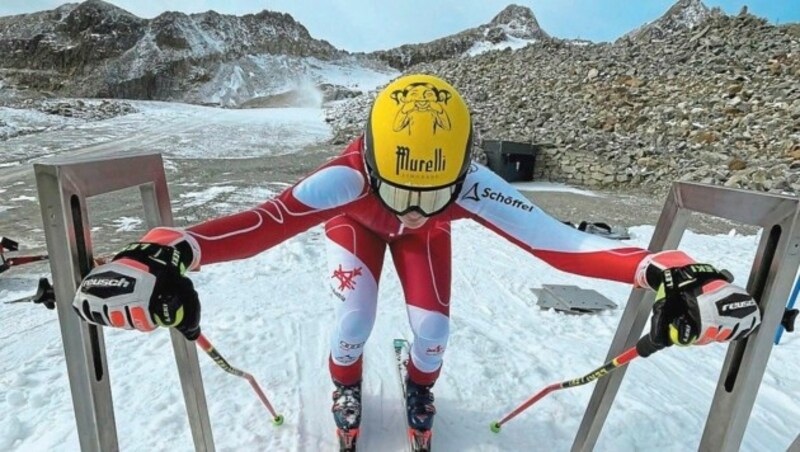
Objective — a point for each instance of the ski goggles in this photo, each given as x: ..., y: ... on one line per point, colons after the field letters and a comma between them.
x: 427, y: 202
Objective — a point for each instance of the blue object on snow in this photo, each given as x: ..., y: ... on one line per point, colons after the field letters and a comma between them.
x: 790, y: 305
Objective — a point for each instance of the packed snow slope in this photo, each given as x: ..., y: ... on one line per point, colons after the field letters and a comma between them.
x: 271, y: 315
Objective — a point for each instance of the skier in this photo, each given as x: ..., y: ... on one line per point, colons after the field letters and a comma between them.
x: 400, y: 185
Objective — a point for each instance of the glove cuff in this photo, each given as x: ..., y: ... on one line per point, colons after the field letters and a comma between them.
x: 182, y: 241
x: 650, y: 271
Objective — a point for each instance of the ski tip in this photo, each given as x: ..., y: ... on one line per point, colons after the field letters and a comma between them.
x: 277, y: 421
x: 495, y: 427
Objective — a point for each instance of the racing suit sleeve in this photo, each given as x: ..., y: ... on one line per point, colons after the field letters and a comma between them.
x: 496, y: 204
x: 323, y: 194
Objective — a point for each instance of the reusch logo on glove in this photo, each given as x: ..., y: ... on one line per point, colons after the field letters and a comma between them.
x: 122, y: 282
x: 108, y: 284
x: 736, y: 305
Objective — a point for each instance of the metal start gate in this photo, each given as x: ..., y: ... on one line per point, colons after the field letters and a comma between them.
x: 771, y: 277
x: 64, y: 185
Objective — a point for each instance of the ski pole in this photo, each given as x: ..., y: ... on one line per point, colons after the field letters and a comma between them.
x: 789, y: 306
x: 643, y: 348
x: 6, y: 263
x: 277, y: 419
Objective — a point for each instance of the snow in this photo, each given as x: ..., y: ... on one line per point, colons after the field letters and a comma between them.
x: 683, y: 14
x: 263, y: 75
x: 271, y: 315
x: 518, y: 27
x: 351, y: 75
x: 552, y: 187
x: 486, y: 46
x: 200, y: 41
x: 271, y: 131
x: 205, y: 196
x: 15, y: 122
x: 692, y: 14
x: 178, y: 131
x: 22, y: 198
x: 502, y: 349
x: 124, y: 224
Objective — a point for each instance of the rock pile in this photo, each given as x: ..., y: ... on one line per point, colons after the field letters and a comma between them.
x: 79, y: 109
x: 716, y: 101
x: 24, y: 117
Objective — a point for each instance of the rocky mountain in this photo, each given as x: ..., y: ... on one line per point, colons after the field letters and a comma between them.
x: 515, y: 26
x: 683, y: 15
x: 715, y: 102
x: 95, y: 49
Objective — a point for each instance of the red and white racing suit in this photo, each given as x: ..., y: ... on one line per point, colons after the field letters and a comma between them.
x: 359, y: 229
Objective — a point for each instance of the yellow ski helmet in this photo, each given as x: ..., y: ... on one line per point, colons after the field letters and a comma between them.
x: 417, y: 144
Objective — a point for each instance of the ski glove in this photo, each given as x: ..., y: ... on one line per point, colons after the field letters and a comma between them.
x: 696, y: 304
x: 143, y: 287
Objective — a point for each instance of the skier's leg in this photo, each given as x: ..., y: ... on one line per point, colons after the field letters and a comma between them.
x: 355, y: 259
x: 423, y: 265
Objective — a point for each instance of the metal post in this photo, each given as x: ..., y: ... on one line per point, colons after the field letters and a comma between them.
x: 795, y: 446
x: 64, y: 185
x: 774, y: 267
x: 157, y: 212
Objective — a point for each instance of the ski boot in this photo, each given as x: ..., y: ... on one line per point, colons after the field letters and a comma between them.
x: 347, y: 415
x: 420, y: 411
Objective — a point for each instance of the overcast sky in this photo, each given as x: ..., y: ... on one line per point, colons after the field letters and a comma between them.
x: 364, y: 25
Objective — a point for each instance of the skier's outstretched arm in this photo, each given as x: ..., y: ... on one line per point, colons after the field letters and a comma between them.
x: 695, y: 302
x: 496, y: 204
x: 145, y: 284
x: 319, y: 197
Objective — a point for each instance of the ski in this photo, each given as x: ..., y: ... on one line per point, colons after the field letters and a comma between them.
x: 418, y: 440
x: 347, y: 439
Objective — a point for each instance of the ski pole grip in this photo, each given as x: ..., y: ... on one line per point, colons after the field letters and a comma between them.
x: 646, y: 347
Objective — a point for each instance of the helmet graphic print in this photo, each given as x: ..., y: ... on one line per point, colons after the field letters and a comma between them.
x: 417, y: 144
